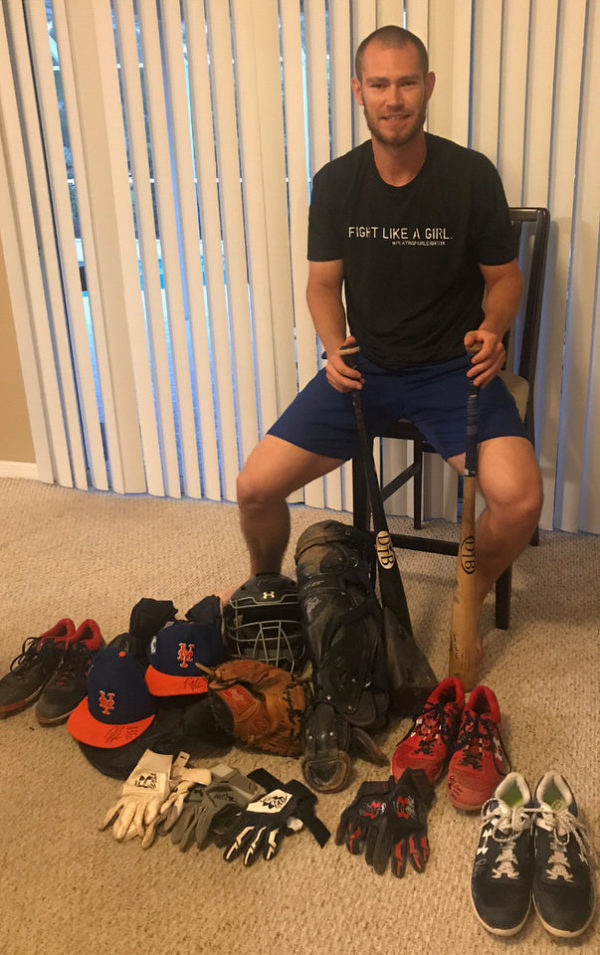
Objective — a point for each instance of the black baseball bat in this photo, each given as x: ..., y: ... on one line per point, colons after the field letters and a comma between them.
x: 465, y: 649
x: 411, y: 676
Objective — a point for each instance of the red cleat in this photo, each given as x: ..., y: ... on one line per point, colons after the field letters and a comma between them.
x: 479, y: 762
x: 428, y: 743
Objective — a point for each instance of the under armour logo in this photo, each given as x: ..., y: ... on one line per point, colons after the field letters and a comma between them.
x: 268, y: 595
x: 405, y: 807
x: 185, y: 654
x: 499, y: 755
x: 106, y: 702
x: 373, y: 809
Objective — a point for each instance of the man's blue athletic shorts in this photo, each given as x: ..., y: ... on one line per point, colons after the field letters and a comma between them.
x: 434, y: 397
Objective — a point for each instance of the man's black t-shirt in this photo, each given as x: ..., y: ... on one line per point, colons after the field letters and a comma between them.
x: 411, y: 253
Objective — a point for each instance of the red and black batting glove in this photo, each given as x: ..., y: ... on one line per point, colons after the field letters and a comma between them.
x: 388, y: 821
x: 359, y: 824
x: 402, y: 832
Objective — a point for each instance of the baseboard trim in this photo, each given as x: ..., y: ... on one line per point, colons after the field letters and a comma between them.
x: 19, y: 469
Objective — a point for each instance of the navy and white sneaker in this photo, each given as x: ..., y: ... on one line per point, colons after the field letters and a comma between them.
x: 502, y: 871
x: 563, y: 888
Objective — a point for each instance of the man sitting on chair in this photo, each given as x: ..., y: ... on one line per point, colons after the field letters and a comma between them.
x: 416, y: 231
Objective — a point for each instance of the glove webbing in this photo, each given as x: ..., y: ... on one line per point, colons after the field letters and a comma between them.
x: 305, y: 808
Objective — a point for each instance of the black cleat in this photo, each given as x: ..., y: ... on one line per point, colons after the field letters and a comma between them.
x: 31, y: 670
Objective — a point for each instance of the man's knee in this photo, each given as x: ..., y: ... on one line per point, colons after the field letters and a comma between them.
x: 526, y: 506
x: 253, y: 491
x: 275, y: 469
x: 512, y: 487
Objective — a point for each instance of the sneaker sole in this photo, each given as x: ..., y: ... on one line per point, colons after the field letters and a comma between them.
x: 53, y: 720
x: 10, y: 708
x: 561, y: 932
x: 469, y: 800
x: 467, y: 806
x: 506, y: 932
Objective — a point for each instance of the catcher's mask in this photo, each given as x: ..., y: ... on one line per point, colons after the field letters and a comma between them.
x: 262, y: 621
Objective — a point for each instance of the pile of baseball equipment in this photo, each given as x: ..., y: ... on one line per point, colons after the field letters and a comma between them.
x: 308, y: 668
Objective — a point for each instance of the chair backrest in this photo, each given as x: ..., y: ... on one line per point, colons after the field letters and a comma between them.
x: 531, y: 228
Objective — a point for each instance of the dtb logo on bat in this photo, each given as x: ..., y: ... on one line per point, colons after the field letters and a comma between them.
x: 467, y: 554
x: 385, y: 550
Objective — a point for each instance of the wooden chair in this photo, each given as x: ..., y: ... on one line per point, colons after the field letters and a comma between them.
x: 531, y: 227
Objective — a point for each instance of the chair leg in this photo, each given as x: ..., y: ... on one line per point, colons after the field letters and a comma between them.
x: 503, y: 589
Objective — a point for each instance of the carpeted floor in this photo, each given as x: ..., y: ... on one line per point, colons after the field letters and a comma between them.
x: 68, y: 889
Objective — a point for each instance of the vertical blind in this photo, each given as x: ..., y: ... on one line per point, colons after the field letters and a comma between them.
x: 155, y: 167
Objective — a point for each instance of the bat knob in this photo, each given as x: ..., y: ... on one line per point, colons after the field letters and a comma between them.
x: 350, y: 354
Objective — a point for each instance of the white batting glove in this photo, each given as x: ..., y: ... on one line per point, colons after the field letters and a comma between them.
x: 143, y: 794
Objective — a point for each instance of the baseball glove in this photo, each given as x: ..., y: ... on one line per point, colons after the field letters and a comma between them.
x: 259, y: 704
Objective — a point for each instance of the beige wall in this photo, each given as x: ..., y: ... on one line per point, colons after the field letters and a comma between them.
x: 16, y: 443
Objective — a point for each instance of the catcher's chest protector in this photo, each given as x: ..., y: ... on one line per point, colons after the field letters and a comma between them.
x: 343, y: 624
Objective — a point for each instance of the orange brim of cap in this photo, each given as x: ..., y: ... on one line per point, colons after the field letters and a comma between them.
x: 87, y: 729
x: 166, y: 684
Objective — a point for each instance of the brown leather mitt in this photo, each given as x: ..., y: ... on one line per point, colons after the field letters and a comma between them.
x: 259, y: 704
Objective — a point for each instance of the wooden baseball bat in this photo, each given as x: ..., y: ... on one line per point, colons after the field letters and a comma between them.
x: 409, y: 670
x: 465, y: 646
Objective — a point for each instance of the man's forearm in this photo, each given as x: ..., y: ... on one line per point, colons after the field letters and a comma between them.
x: 502, y: 303
x: 328, y: 315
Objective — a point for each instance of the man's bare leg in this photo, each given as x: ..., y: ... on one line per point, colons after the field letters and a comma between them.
x: 510, y: 481
x: 273, y: 470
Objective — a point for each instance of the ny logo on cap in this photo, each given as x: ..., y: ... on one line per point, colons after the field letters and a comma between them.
x: 106, y: 702
x: 186, y: 654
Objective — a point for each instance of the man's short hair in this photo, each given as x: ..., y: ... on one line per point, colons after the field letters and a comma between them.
x: 392, y: 36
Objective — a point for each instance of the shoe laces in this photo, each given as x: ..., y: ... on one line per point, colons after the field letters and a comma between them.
x: 478, y: 733
x: 562, y: 824
x: 33, y: 652
x: 435, y: 721
x: 505, y: 824
x: 75, y: 661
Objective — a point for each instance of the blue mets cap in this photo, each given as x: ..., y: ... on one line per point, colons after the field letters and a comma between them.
x: 173, y: 654
x: 118, y: 707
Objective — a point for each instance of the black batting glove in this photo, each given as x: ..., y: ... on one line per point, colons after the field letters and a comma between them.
x: 388, y: 820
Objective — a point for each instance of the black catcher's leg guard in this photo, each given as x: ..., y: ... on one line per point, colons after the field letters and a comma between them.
x: 344, y: 624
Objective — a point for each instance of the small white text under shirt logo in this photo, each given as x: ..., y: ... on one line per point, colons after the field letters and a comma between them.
x: 402, y: 234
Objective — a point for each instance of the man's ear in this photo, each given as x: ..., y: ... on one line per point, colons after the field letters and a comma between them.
x: 356, y: 90
x: 429, y: 84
